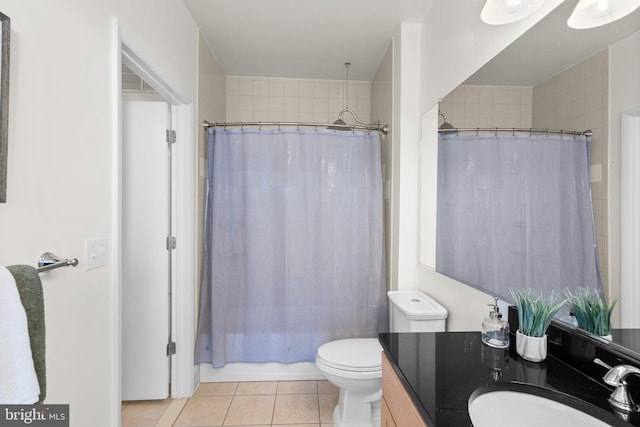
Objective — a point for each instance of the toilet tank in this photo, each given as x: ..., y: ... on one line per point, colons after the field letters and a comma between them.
x: 414, y: 311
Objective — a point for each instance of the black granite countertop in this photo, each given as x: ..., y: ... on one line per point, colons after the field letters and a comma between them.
x: 440, y: 371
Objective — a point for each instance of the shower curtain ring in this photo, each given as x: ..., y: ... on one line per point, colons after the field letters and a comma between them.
x: 496, y: 131
x: 477, y: 131
x: 513, y: 131
x: 241, y: 126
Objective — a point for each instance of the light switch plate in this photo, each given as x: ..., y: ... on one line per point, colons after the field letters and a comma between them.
x: 95, y: 253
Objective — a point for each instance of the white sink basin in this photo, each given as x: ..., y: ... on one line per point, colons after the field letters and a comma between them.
x: 493, y: 407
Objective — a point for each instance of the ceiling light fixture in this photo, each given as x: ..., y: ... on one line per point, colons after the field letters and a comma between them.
x: 594, y: 13
x: 499, y: 12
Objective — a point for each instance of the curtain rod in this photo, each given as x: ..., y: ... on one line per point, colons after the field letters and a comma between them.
x: 376, y: 127
x: 519, y: 130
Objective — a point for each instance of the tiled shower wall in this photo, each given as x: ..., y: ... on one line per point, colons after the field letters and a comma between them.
x: 265, y: 99
x: 488, y: 106
x: 574, y: 99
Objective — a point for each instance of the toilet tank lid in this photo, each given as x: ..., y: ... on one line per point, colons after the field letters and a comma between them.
x: 417, y: 305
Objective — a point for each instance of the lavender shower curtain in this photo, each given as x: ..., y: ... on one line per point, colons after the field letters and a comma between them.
x: 515, y: 211
x: 293, y: 244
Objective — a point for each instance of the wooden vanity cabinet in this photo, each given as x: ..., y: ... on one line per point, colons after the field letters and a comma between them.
x: 396, y: 407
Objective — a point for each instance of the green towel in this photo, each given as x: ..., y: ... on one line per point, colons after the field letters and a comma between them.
x: 32, y: 297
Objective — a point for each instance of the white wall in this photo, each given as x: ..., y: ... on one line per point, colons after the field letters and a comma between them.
x: 405, y: 191
x: 61, y: 140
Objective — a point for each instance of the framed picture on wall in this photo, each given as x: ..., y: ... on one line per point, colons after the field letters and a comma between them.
x: 5, y: 31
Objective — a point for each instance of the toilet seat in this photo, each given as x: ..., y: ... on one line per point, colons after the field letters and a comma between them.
x: 351, y: 358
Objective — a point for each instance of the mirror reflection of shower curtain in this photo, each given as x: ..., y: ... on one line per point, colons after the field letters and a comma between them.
x: 293, y: 244
x: 515, y: 211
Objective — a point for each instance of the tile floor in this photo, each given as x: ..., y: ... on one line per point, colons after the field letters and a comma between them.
x: 265, y: 403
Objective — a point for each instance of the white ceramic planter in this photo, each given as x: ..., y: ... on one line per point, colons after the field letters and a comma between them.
x: 533, y: 349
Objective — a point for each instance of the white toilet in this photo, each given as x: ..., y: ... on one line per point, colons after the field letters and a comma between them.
x: 354, y: 365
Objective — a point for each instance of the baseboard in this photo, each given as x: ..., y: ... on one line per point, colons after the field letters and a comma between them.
x: 233, y: 372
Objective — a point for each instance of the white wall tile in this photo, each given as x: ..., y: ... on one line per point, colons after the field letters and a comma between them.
x: 290, y: 103
x: 232, y: 85
x: 245, y: 86
x: 245, y: 102
x: 276, y: 87
x: 306, y: 88
x: 336, y: 89
x: 291, y: 88
x: 260, y: 86
x: 261, y: 103
x: 471, y: 94
x: 321, y: 89
x: 282, y: 99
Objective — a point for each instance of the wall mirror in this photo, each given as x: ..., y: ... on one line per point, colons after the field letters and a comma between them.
x: 5, y: 31
x: 544, y: 51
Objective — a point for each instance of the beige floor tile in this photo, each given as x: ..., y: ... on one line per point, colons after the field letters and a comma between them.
x: 204, y: 411
x: 297, y: 387
x: 143, y: 413
x: 296, y: 408
x: 327, y: 403
x: 216, y: 389
x: 248, y: 410
x: 257, y: 387
x: 170, y: 415
x: 295, y: 425
x: 327, y: 387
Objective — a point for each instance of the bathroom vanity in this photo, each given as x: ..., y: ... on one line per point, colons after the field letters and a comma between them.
x: 428, y: 378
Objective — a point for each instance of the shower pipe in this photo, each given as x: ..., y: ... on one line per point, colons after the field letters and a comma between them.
x: 530, y: 131
x: 361, y: 125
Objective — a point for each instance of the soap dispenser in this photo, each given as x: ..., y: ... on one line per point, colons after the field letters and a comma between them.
x: 495, y: 331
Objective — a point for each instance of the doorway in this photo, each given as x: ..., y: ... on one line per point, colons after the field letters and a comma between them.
x: 147, y: 241
x: 183, y: 372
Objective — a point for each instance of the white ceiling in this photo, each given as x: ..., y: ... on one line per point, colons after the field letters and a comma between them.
x: 314, y: 38
x: 303, y: 38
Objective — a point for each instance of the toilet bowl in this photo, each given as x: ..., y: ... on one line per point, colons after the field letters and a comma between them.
x: 355, y: 365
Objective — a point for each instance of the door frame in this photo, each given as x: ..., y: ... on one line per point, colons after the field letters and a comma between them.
x: 183, y: 373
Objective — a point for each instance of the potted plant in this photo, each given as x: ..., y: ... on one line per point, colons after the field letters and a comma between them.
x: 535, y: 313
x: 591, y: 312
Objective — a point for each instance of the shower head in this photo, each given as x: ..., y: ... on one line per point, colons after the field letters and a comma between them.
x: 338, y: 124
x: 446, y: 124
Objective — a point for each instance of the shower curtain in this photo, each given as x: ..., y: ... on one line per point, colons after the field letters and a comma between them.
x: 293, y: 244
x: 515, y: 211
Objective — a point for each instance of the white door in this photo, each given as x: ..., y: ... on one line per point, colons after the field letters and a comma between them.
x: 146, y: 263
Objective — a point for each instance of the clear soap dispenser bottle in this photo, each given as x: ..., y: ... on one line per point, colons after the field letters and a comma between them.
x: 495, y: 331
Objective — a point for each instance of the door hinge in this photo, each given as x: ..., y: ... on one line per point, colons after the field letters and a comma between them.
x: 171, y: 136
x: 171, y: 243
x: 171, y: 348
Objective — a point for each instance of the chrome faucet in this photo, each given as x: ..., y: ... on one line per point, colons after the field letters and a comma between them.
x: 620, y: 398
